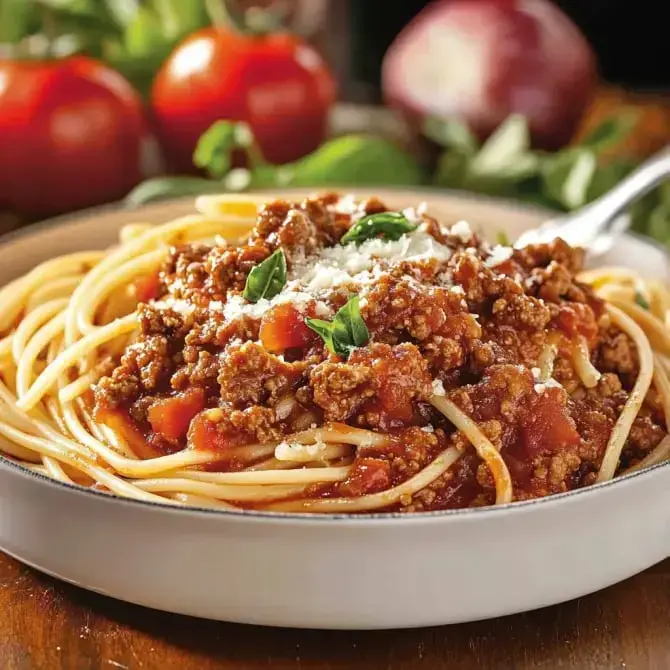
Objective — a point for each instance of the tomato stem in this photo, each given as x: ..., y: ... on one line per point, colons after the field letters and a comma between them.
x: 218, y: 12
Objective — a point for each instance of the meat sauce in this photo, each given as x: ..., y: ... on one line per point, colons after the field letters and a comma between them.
x: 204, y: 376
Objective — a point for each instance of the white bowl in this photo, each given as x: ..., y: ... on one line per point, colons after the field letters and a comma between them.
x: 366, y: 572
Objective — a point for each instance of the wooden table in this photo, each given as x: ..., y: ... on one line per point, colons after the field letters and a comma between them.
x: 46, y: 625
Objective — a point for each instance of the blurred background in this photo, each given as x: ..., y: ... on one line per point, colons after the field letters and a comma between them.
x: 549, y: 103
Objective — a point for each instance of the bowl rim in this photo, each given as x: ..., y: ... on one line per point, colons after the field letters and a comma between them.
x: 366, y: 518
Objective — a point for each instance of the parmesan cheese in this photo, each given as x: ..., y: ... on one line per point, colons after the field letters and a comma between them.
x: 462, y: 230
x: 499, y: 254
x: 438, y: 387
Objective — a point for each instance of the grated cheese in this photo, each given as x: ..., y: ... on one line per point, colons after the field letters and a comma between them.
x: 236, y: 307
x: 499, y: 254
x: 340, y: 265
x: 462, y: 230
x: 438, y: 387
x: 297, y: 452
x: 176, y: 305
x: 543, y: 384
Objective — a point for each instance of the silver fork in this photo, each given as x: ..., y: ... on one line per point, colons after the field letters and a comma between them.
x: 595, y: 226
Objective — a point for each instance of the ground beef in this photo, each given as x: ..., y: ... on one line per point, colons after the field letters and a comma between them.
x: 558, y: 251
x: 616, y: 353
x: 340, y: 388
x: 521, y: 312
x: 478, y: 329
x: 554, y: 284
x: 248, y: 374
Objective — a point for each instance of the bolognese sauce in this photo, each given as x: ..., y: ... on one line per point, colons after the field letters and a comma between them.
x: 374, y: 316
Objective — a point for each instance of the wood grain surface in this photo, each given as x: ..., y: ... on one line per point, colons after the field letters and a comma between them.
x: 48, y: 625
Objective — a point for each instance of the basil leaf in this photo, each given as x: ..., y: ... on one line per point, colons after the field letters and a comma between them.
x: 567, y: 177
x: 349, y: 324
x: 345, y: 332
x: 324, y: 329
x: 214, y: 149
x: 450, y: 134
x: 502, y: 151
x: 641, y: 301
x: 390, y: 225
x: 503, y: 239
x: 143, y: 34
x: 267, y: 279
x: 452, y: 169
x: 180, y: 17
x: 608, y: 176
x: 356, y: 160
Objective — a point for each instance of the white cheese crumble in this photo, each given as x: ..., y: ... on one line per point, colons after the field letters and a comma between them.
x: 499, y: 254
x: 415, y: 214
x: 364, y: 263
x: 297, y: 452
x: 438, y: 387
x: 543, y: 384
x: 237, y: 307
x: 428, y: 429
x: 180, y: 306
x: 335, y: 266
x: 462, y: 230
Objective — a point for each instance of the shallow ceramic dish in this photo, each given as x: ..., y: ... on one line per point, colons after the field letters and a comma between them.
x: 366, y: 572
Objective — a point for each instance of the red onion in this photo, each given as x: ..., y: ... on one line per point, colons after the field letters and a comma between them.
x: 482, y: 60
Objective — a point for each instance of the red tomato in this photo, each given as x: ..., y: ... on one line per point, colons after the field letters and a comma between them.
x: 277, y: 83
x: 547, y: 427
x: 146, y: 287
x: 73, y: 133
x: 170, y: 417
x: 283, y: 327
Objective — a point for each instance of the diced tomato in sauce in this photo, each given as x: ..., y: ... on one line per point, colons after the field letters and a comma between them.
x: 124, y: 426
x: 367, y: 475
x: 576, y: 318
x: 283, y: 327
x: 546, y: 426
x: 146, y: 287
x: 171, y: 417
x: 206, y: 434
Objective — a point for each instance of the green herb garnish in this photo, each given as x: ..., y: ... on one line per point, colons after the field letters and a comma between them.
x: 641, y: 300
x: 502, y: 238
x: 390, y: 225
x: 267, y: 279
x: 345, y: 332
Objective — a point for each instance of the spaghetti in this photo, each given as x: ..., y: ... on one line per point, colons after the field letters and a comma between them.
x: 331, y: 356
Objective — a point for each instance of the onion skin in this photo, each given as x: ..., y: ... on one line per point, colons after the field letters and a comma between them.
x: 482, y: 60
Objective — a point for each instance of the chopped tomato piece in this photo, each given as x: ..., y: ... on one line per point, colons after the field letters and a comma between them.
x: 207, y: 433
x: 576, y: 318
x: 368, y: 475
x: 125, y: 428
x: 546, y: 426
x: 283, y: 327
x: 171, y: 417
x: 146, y: 287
